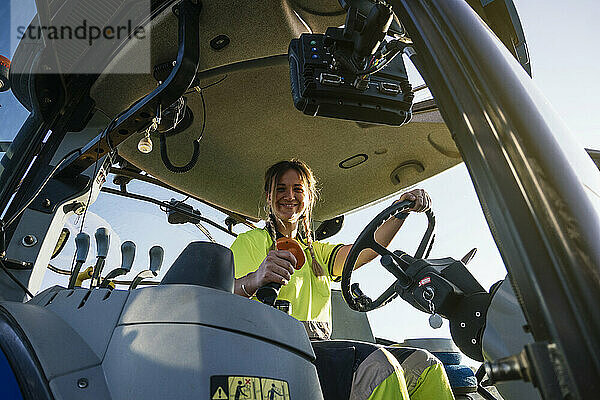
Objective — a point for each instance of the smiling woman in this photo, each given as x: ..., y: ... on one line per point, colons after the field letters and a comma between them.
x: 262, y: 269
x: 289, y: 202
x: 519, y: 164
x: 291, y: 193
x: 290, y: 188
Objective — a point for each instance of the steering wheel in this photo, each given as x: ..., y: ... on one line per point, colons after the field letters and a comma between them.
x: 395, y: 262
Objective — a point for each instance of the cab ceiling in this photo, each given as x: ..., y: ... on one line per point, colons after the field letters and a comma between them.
x: 251, y: 121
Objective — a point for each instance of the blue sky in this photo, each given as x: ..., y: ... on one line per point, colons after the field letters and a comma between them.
x: 562, y: 40
x: 561, y: 36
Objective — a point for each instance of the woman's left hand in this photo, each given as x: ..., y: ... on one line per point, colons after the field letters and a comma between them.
x: 385, y: 233
x: 420, y: 197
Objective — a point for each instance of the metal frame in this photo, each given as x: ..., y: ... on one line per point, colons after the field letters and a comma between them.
x: 549, y: 247
x: 66, y: 183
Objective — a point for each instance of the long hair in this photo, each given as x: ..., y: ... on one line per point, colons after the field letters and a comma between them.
x: 309, y: 181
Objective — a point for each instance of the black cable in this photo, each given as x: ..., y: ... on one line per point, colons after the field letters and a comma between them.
x: 195, y: 156
x: 214, y: 83
x: 180, y: 109
x: 176, y: 168
x: 341, y: 57
x: 346, y: 63
x: 378, y: 68
x: 203, y: 116
x: 154, y: 181
x: 175, y: 203
x: 430, y: 247
x: 204, y: 105
x: 89, y: 198
x: 102, y: 112
x: 58, y: 270
x: 166, y: 205
x: 207, y: 86
x: 14, y: 278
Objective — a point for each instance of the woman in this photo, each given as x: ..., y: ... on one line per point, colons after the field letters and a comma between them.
x: 290, y: 191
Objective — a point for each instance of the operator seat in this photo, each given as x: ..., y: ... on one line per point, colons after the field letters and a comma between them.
x: 205, y: 264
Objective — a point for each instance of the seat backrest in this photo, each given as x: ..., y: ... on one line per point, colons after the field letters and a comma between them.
x: 205, y: 264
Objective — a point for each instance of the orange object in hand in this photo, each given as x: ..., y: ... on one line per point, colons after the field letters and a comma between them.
x: 293, y: 247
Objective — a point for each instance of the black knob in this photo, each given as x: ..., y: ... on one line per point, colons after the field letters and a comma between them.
x: 268, y: 293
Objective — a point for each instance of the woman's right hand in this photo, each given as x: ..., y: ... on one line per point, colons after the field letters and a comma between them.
x: 278, y: 266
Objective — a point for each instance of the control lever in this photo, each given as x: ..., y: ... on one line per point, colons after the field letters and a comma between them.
x: 102, y: 236
x: 469, y: 256
x: 127, y: 257
x: 390, y: 264
x: 268, y: 293
x: 82, y: 246
x: 361, y: 297
x: 84, y: 276
x: 156, y: 258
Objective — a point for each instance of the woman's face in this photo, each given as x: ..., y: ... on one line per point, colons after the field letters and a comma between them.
x: 291, y: 197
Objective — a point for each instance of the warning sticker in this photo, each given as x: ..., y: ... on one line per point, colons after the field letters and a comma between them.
x: 248, y: 388
x: 220, y: 394
x: 424, y: 281
x: 244, y: 387
x: 274, y: 390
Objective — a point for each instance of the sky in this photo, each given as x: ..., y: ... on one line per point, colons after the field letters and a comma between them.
x: 562, y: 41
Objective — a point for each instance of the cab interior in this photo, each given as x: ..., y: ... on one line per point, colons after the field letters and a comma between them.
x: 240, y: 105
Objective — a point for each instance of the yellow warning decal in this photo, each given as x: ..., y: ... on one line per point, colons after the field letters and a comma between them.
x: 220, y: 394
x: 273, y: 389
x: 244, y: 387
x: 248, y: 388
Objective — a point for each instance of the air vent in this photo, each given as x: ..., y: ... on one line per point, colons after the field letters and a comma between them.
x: 402, y: 173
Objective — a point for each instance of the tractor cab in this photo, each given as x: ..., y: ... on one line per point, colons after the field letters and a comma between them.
x: 149, y: 128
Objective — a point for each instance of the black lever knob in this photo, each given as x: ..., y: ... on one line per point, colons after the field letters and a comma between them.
x: 82, y: 245
x: 127, y: 255
x: 156, y: 258
x: 268, y: 293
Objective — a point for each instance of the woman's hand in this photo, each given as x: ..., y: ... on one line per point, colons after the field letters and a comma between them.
x: 420, y: 197
x: 278, y: 266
